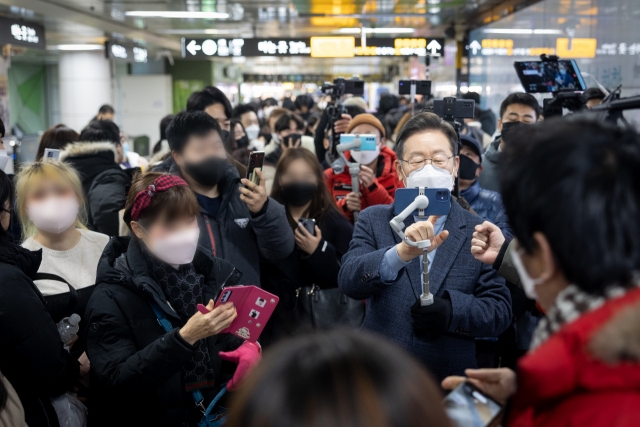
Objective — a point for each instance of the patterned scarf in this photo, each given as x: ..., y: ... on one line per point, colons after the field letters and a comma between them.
x: 570, y: 304
x: 183, y: 290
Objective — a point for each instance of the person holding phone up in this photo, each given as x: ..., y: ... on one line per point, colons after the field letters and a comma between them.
x: 574, y: 207
x: 378, y: 176
x: 237, y: 220
x: 140, y: 366
x: 322, y: 236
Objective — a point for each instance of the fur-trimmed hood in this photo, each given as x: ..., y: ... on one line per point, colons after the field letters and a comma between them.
x: 619, y: 339
x: 80, y: 149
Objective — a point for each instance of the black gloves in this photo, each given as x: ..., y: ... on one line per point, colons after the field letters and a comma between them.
x: 432, y: 318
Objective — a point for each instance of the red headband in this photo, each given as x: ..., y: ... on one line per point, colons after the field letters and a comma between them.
x: 143, y: 198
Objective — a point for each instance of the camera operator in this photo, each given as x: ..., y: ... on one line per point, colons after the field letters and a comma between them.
x: 470, y: 299
x: 574, y: 206
x: 378, y: 176
x: 516, y: 109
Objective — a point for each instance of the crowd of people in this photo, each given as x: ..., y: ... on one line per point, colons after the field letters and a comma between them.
x: 534, y: 269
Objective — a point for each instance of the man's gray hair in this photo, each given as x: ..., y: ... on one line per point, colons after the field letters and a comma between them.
x: 425, y: 122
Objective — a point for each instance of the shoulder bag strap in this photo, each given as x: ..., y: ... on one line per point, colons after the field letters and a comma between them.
x: 73, y: 294
x: 168, y: 327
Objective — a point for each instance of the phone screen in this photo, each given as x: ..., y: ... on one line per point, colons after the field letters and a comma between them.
x: 547, y: 77
x: 256, y: 159
x: 467, y: 406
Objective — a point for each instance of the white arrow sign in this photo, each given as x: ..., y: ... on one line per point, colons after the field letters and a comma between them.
x: 434, y: 47
x: 475, y: 46
x: 192, y: 47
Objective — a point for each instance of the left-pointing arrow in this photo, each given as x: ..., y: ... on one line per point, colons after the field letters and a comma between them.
x: 193, y: 47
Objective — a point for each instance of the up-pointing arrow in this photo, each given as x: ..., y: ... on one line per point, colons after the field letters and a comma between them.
x: 475, y: 46
x: 192, y: 47
x: 434, y: 47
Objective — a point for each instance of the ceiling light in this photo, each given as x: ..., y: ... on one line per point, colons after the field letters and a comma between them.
x: 176, y: 14
x: 374, y: 30
x: 199, y: 31
x: 521, y: 31
x: 76, y: 47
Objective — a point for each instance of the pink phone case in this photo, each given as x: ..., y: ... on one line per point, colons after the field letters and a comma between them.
x: 202, y: 309
x: 254, y: 305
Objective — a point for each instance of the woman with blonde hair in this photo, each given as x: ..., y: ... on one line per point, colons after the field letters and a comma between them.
x: 51, y: 209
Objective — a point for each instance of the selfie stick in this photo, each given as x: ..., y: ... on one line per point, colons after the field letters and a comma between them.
x: 420, y: 203
x: 354, y: 168
x: 412, y: 94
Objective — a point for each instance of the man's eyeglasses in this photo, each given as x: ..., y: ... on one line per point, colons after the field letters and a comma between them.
x: 416, y: 163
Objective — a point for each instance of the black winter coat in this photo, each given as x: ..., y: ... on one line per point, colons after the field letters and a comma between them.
x: 32, y: 355
x: 104, y: 182
x: 136, y: 367
x: 299, y: 269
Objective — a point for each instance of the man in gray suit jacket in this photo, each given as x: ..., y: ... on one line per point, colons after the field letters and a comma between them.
x: 471, y: 300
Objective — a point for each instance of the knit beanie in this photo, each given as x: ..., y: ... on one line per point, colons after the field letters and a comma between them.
x: 369, y: 119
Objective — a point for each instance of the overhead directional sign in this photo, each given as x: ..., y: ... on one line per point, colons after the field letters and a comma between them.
x: 206, y: 48
x: 21, y: 33
x: 125, y: 53
x: 325, y: 47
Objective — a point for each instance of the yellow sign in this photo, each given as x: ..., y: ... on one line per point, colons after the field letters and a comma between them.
x: 580, y: 48
x: 499, y: 46
x: 333, y: 47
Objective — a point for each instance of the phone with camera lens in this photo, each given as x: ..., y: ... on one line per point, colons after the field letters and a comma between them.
x: 292, y: 141
x: 369, y: 141
x: 256, y: 160
x: 439, y: 200
x: 309, y: 224
x: 467, y: 405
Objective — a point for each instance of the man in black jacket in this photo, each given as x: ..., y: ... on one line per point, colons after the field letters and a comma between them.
x: 239, y: 222
x: 97, y: 157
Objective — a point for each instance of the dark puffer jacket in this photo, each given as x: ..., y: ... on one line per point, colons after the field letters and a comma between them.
x: 136, y: 367
x: 239, y: 236
x: 104, y: 182
x: 488, y: 205
x: 32, y: 356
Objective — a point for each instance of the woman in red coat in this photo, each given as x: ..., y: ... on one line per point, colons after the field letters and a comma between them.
x: 378, y: 176
x: 574, y: 206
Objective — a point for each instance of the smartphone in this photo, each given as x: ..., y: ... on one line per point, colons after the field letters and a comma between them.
x: 454, y: 108
x: 309, y: 224
x: 467, y: 405
x: 369, y: 141
x: 256, y: 159
x: 292, y: 140
x: 423, y: 87
x: 549, y: 76
x: 51, y: 154
x: 439, y: 200
x: 254, y: 306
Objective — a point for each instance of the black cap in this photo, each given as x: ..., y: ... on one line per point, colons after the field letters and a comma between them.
x: 472, y: 143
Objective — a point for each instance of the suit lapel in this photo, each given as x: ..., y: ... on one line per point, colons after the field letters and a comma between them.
x: 448, y: 251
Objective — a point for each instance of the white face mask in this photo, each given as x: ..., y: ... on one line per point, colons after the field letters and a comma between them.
x: 177, y: 248
x: 267, y: 111
x: 322, y: 105
x: 365, y: 157
x: 430, y: 177
x: 252, y: 131
x: 274, y: 138
x: 4, y: 159
x: 528, y: 283
x: 54, y: 214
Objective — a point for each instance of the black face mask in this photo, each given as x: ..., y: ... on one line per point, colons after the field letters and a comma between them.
x: 242, y: 142
x: 510, y: 130
x: 468, y: 168
x: 207, y: 172
x: 224, y: 134
x: 299, y: 193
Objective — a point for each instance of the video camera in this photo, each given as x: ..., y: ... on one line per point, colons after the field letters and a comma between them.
x: 561, y: 78
x: 335, y: 110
